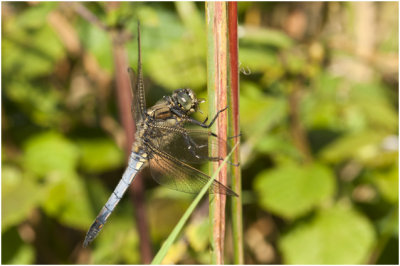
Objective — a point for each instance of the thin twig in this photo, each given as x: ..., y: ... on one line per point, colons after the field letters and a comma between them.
x: 89, y: 16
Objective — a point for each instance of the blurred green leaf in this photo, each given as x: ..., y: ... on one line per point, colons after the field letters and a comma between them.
x: 277, y: 145
x: 259, y: 113
x: 182, y: 64
x: 388, y: 183
x: 295, y: 62
x: 41, y: 103
x: 14, y: 250
x: 197, y: 234
x: 36, y: 16
x: 270, y: 37
x: 258, y: 60
x: 321, y: 106
x: 67, y: 200
x: 293, y: 190
x: 31, y: 45
x: 382, y: 115
x: 338, y: 235
x: 98, y: 43
x: 191, y: 16
x: 24, y: 255
x: 167, y: 210
x: 99, y: 155
x: 20, y: 195
x: 175, y: 253
x: 364, y: 147
x: 50, y: 152
x: 173, y: 56
x: 119, y: 241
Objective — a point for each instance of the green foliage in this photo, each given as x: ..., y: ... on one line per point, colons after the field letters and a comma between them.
x: 388, y: 183
x: 50, y: 152
x: 291, y: 191
x: 67, y: 201
x: 98, y: 155
x: 22, y: 195
x: 118, y: 243
x: 337, y: 235
x: 319, y: 123
x: 31, y: 37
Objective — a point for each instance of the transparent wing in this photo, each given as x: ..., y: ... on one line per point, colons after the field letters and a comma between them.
x: 180, y: 176
x: 187, y: 145
x: 138, y: 100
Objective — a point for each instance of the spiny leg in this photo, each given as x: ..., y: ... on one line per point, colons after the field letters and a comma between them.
x: 203, y: 124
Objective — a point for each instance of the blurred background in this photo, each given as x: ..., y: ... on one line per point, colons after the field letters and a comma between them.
x: 319, y: 122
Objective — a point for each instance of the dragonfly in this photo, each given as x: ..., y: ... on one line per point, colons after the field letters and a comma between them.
x: 165, y: 143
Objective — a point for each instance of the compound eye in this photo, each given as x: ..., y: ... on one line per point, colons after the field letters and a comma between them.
x: 184, y: 100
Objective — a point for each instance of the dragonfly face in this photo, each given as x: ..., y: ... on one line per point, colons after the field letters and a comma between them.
x: 167, y: 144
x: 186, y: 100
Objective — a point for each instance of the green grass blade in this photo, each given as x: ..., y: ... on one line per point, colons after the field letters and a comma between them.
x: 178, y: 228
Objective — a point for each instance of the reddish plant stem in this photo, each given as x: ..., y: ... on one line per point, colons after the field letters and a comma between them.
x: 237, y: 212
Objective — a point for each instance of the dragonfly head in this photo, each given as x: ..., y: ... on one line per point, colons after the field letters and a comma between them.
x: 186, y: 100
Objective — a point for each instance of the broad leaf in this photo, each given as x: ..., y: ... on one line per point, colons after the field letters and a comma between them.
x: 339, y: 235
x: 291, y: 191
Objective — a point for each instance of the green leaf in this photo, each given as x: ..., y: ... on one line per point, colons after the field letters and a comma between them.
x: 291, y: 191
x: 388, y: 184
x: 67, y: 200
x: 15, y: 251
x: 167, y: 210
x: 258, y: 60
x: 31, y: 45
x: 98, y: 43
x: 259, y: 113
x: 182, y: 64
x: 176, y: 252
x: 50, y: 152
x: 383, y: 114
x: 277, y: 144
x: 339, y: 235
x: 98, y: 155
x: 363, y: 146
x: 197, y: 234
x: 275, y: 38
x: 119, y: 242
x: 20, y: 195
x: 318, y: 109
x: 41, y: 103
x: 36, y: 16
x: 24, y: 255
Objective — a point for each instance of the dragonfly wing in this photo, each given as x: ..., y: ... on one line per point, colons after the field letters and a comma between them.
x: 180, y: 176
x: 137, y: 87
x: 188, y: 145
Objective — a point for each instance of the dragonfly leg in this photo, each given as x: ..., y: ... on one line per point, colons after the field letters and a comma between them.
x: 192, y: 146
x: 203, y: 124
